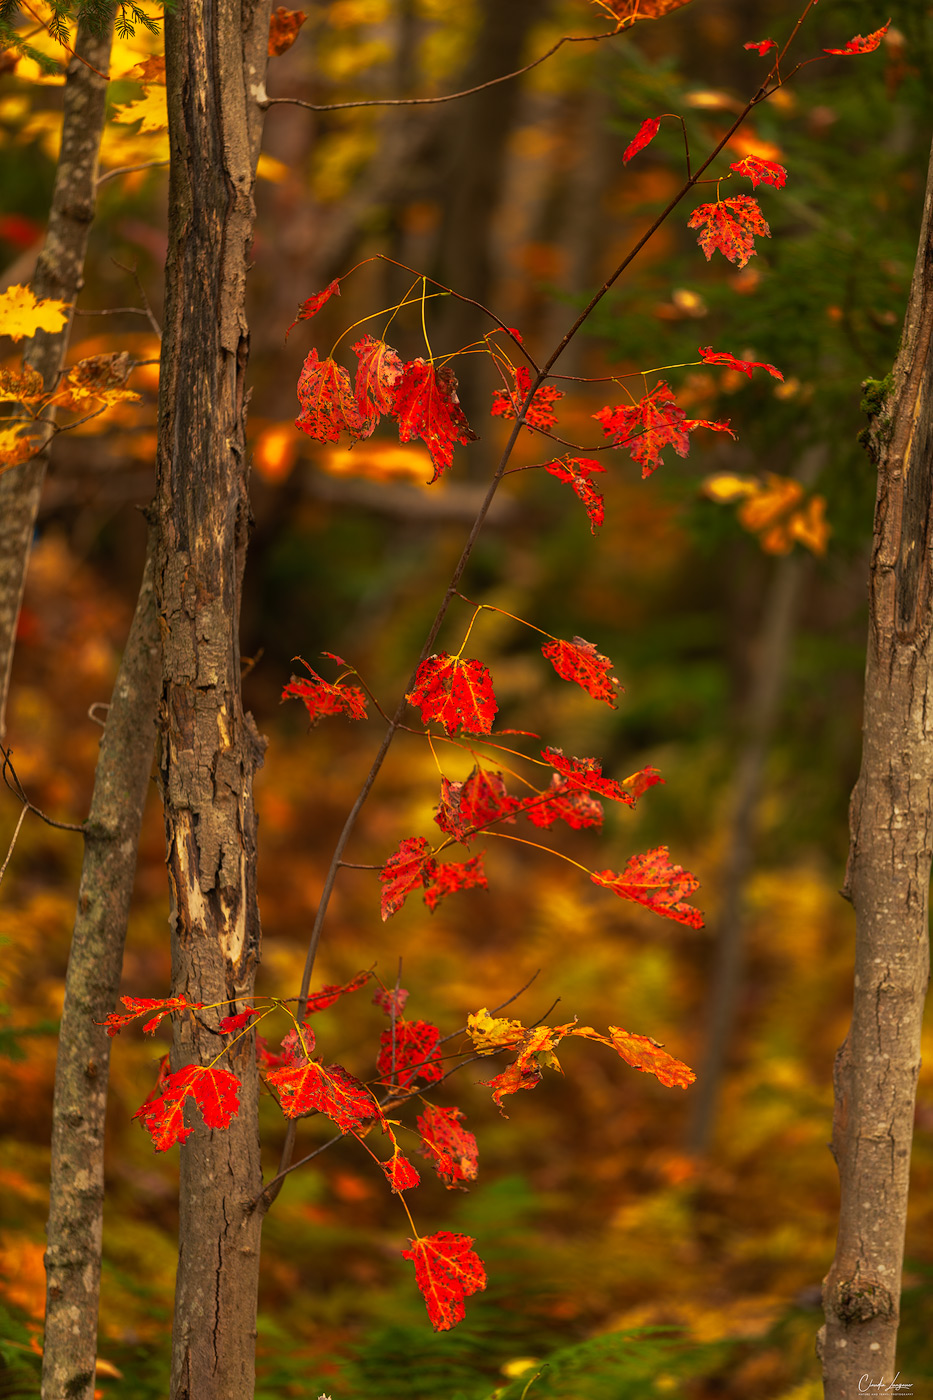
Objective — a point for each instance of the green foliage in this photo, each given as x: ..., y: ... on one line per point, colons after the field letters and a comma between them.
x: 20, y: 1366
x: 94, y: 15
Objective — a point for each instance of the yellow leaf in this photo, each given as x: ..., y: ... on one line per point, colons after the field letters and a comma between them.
x: 268, y: 168
x: 21, y: 385
x: 15, y: 446
x: 22, y: 314
x: 150, y: 110
x: 725, y: 487
x: 492, y: 1033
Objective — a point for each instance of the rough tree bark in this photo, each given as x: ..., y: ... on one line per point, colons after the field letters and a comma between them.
x: 888, y: 875
x: 121, y: 780
x: 216, y: 53
x: 60, y: 274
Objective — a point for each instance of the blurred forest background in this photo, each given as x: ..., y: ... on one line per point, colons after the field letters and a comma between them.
x: 605, y: 1204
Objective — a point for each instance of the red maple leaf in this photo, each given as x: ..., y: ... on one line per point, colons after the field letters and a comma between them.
x: 215, y: 1091
x: 312, y: 306
x: 652, y: 880
x: 576, y: 472
x: 452, y: 877
x: 586, y: 773
x: 860, y: 45
x: 729, y: 227
x: 477, y: 802
x: 377, y: 374
x: 761, y: 172
x: 404, y: 872
x: 391, y: 1000
x: 709, y: 356
x: 714, y: 427
x: 446, y: 1271
x: 641, y: 781
x: 561, y: 802
x: 450, y: 1148
x: 641, y: 1052
x: 410, y: 1053
x: 625, y: 10
x: 310, y: 1087
x: 400, y: 1173
x: 579, y: 661
x: 648, y: 426
x: 317, y: 1001
x: 458, y: 694
x: 328, y: 404
x: 425, y: 404
x: 643, y: 136
x: 762, y: 45
x: 138, y: 1006
x: 539, y: 413
x: 239, y: 1021
x: 320, y: 698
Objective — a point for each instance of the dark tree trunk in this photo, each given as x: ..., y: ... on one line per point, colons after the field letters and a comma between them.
x: 215, y: 66
x: 888, y: 876
x: 60, y: 274
x: 121, y: 780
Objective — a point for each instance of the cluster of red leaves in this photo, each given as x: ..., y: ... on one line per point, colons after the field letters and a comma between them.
x: 412, y: 866
x: 653, y: 423
x: 536, y: 1051
x: 320, y: 698
x: 423, y: 400
x: 507, y: 403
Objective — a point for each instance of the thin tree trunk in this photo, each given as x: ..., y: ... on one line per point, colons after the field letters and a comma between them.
x: 73, y: 1254
x: 775, y: 641
x: 60, y: 274
x: 215, y: 65
x: 888, y: 875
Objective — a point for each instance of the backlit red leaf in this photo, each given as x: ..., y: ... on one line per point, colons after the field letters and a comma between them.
x: 632, y: 10
x: 641, y: 781
x: 328, y: 404
x: 411, y: 1053
x: 562, y: 802
x: 320, y: 698
x: 646, y: 427
x: 447, y: 1271
x: 237, y: 1022
x: 580, y: 662
x: 641, y: 1052
x: 283, y: 29
x: 539, y: 413
x: 576, y: 472
x: 458, y: 694
x: 391, y: 1000
x: 400, y: 1173
x: 312, y: 306
x: 729, y: 227
x: 297, y: 1046
x: 404, y: 872
x: 643, y: 136
x: 762, y: 45
x: 709, y: 356
x: 520, y: 1074
x: 761, y: 172
x: 586, y: 773
x: 138, y: 1006
x: 426, y: 406
x: 860, y: 45
x: 326, y: 996
x: 377, y: 374
x: 449, y: 1147
x: 653, y: 881
x: 452, y: 877
x: 315, y: 1088
x: 478, y: 802
x: 215, y: 1091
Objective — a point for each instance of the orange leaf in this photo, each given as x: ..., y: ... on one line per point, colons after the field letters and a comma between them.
x: 579, y: 661
x: 458, y: 694
x: 447, y: 1271
x: 652, y: 880
x: 426, y: 406
x: 641, y: 1052
x: 283, y: 29
x: 860, y: 45
x: 632, y: 10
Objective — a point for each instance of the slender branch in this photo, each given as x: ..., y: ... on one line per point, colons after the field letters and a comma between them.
x: 127, y: 170
x: 13, y: 783
x: 447, y: 97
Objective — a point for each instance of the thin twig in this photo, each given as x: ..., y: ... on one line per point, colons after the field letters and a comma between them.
x: 448, y: 97
x: 22, y: 818
x: 13, y: 783
x: 128, y: 169
x: 133, y: 272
